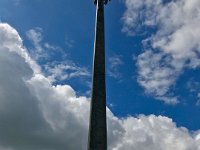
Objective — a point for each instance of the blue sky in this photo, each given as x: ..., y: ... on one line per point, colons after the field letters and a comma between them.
x: 150, y: 67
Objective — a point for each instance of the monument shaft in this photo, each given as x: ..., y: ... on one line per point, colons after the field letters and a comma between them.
x: 98, y: 127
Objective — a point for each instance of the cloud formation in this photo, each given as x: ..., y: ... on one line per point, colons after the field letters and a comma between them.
x: 65, y: 71
x: 41, y: 50
x: 34, y: 114
x: 115, y: 62
x: 171, y: 49
x: 57, y: 70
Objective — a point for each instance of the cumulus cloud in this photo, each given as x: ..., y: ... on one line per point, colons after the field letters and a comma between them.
x: 29, y: 120
x: 172, y: 48
x: 34, y: 114
x: 156, y: 133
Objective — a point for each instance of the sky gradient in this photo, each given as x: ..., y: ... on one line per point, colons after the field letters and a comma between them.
x: 152, y: 74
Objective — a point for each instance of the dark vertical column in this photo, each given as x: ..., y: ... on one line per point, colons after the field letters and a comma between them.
x: 98, y: 127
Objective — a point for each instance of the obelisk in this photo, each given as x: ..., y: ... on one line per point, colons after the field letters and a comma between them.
x: 97, y: 137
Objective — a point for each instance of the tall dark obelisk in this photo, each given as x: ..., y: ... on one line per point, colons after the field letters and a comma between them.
x: 97, y: 138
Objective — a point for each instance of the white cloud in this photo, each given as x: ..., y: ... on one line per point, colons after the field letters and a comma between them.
x: 194, y: 86
x: 156, y: 76
x: 55, y: 71
x: 65, y: 71
x: 35, y: 36
x: 173, y: 47
x: 34, y: 114
x: 156, y: 133
x: 115, y: 62
x: 198, y: 101
x: 42, y: 50
x: 10, y: 40
x: 69, y: 43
